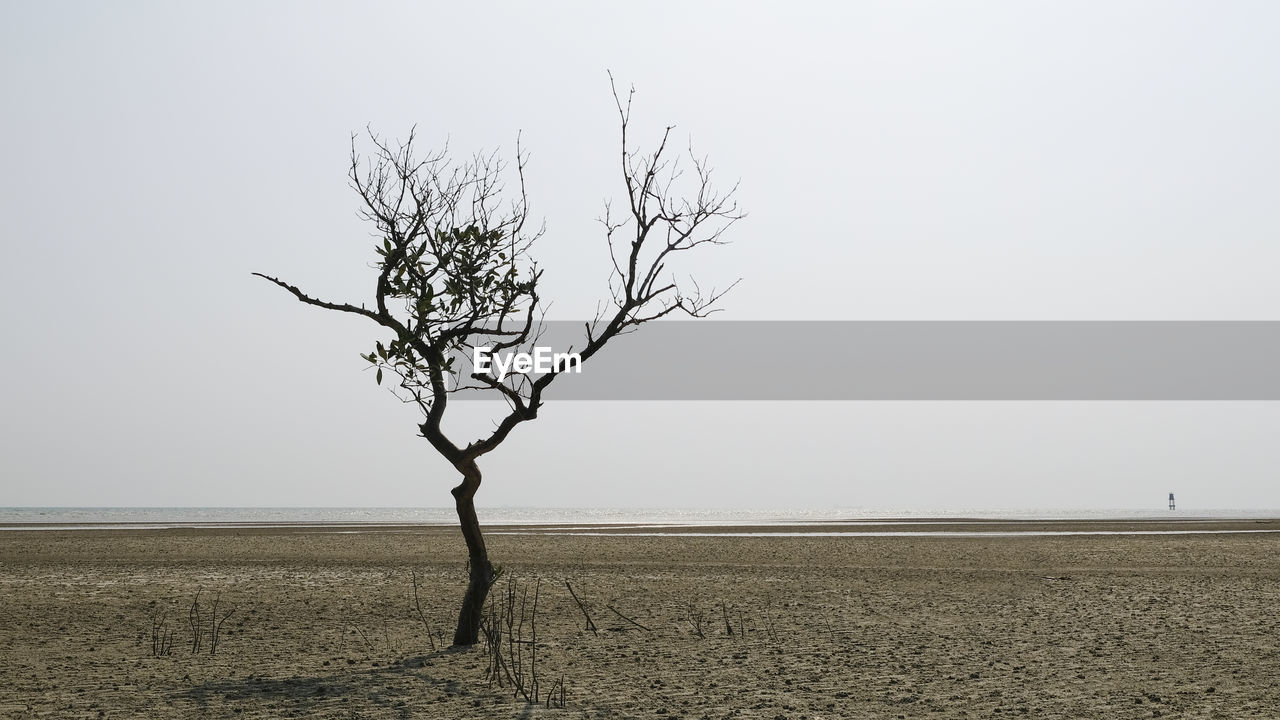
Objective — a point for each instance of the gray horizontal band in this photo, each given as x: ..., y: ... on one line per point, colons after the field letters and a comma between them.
x: 818, y: 360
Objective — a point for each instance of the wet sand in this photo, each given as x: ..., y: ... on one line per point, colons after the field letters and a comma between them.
x: 934, y: 626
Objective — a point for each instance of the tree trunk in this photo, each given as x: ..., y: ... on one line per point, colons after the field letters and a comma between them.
x: 468, y: 630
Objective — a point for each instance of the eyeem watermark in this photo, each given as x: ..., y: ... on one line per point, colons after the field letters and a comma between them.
x: 541, y: 361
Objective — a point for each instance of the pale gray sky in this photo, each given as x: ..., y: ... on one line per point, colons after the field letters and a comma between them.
x: 1018, y: 160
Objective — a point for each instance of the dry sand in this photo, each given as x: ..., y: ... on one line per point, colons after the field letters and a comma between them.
x: 324, y: 626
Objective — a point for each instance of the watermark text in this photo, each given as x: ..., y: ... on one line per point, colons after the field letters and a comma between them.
x: 541, y: 361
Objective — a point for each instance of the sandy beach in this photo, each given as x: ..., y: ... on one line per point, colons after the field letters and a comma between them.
x: 917, y: 626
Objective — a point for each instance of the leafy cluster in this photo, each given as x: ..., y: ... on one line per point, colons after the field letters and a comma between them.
x: 448, y: 285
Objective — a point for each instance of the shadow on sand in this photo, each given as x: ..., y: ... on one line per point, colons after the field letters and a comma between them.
x: 404, y: 687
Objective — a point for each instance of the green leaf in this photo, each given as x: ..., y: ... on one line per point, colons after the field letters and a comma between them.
x: 379, y: 376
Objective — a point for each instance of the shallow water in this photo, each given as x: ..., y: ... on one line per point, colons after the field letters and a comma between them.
x: 886, y: 533
x: 584, y: 519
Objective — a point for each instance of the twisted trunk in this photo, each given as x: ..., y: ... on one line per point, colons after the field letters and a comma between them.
x: 468, y: 630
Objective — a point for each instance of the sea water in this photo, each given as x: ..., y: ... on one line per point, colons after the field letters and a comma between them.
x: 87, y: 518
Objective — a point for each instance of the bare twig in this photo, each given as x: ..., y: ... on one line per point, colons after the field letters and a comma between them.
x: 421, y: 616
x: 695, y: 618
x: 193, y: 617
x: 510, y: 655
x: 554, y: 700
x: 215, y: 631
x: 624, y: 617
x: 364, y: 637
x: 582, y: 606
x: 161, y: 635
x: 769, y: 630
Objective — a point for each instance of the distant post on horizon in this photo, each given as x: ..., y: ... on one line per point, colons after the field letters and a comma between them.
x: 1172, y: 506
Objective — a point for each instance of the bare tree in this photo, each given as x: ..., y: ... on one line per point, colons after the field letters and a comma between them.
x: 455, y: 274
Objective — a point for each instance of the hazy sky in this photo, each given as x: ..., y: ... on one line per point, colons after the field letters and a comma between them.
x: 899, y: 160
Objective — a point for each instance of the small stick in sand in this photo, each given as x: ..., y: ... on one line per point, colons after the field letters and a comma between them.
x: 418, y: 606
x: 624, y: 617
x: 590, y: 625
